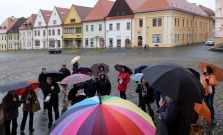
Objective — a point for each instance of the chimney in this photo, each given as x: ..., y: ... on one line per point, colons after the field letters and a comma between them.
x: 12, y: 17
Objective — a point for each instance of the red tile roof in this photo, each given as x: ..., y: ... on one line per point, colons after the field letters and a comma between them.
x: 100, y: 10
x: 29, y: 23
x: 63, y: 12
x: 82, y: 11
x: 46, y: 15
x: 7, y: 24
x: 208, y: 11
x: 180, y: 5
x: 135, y: 4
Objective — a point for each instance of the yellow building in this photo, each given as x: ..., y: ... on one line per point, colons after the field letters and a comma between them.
x: 72, y: 27
x: 170, y: 24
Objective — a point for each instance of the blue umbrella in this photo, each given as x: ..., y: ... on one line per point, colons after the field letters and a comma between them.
x: 13, y: 85
x: 138, y: 70
x: 137, y: 77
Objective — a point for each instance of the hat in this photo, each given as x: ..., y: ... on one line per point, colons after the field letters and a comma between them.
x: 43, y: 68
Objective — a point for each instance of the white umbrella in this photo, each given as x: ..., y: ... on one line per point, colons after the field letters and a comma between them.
x: 137, y: 77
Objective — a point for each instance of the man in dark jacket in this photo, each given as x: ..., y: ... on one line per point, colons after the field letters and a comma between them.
x: 51, y: 89
x: 63, y: 87
x: 75, y: 94
x: 175, y: 117
x: 103, y: 85
x: 89, y: 87
x: 42, y: 81
x: 10, y: 105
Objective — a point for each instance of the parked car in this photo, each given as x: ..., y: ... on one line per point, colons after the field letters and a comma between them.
x: 210, y: 42
x: 55, y: 51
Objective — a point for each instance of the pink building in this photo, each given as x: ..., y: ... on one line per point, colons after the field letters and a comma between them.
x: 219, y: 18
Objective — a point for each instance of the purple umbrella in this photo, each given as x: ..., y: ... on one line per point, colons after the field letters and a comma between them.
x: 95, y: 68
x: 83, y: 70
x: 118, y: 67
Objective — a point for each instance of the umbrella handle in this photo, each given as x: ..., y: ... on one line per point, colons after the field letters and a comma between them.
x: 100, y: 98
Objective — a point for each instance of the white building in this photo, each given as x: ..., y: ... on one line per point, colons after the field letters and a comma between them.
x: 55, y: 29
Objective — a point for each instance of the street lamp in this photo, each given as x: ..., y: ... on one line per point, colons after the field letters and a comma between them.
x: 96, y: 37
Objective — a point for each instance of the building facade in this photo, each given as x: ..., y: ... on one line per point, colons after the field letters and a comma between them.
x: 219, y: 18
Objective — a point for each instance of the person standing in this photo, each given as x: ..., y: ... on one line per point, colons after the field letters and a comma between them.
x: 28, y: 98
x: 123, y: 80
x: 42, y: 81
x: 51, y: 90
x: 75, y: 67
x: 76, y: 94
x: 89, y: 86
x: 209, y: 81
x: 157, y: 97
x: 103, y: 85
x: 63, y: 87
x: 10, y: 105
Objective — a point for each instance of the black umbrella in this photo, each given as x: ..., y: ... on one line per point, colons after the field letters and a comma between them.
x: 13, y: 85
x: 118, y: 67
x: 175, y: 81
x: 197, y: 74
x: 56, y: 76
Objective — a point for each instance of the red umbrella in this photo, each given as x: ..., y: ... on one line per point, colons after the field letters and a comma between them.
x: 34, y: 85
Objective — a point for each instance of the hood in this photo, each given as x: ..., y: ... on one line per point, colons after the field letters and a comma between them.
x: 102, y: 73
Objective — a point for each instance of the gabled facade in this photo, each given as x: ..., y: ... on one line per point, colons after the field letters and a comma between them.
x: 219, y: 18
x: 119, y: 23
x: 55, y: 28
x: 94, y: 29
x: 14, y: 43
x: 40, y: 29
x: 26, y: 33
x: 72, y: 27
x: 4, y: 27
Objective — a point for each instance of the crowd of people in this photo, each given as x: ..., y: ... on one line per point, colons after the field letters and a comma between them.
x: 175, y: 117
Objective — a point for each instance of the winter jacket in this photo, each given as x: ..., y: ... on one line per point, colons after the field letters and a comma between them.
x: 176, y: 118
x: 89, y: 88
x: 125, y: 80
x: 149, y: 97
x: 10, y: 108
x: 75, y: 67
x: 103, y: 86
x: 31, y: 100
x: 66, y: 72
x: 41, y: 80
x: 208, y: 84
x: 54, y: 93
x: 72, y: 95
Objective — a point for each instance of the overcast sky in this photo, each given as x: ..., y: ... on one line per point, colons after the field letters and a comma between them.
x: 24, y: 8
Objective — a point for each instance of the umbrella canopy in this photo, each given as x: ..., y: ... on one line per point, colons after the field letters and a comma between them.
x: 13, y: 85
x: 175, y: 81
x: 138, y: 70
x: 218, y: 72
x: 197, y: 74
x: 56, y: 76
x: 137, y: 77
x: 75, y: 59
x: 203, y: 110
x: 118, y: 67
x: 75, y: 78
x: 34, y: 85
x: 95, y: 68
x: 113, y: 116
x: 84, y: 70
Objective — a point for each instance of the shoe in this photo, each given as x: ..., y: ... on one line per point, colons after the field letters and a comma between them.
x: 22, y: 132
x: 31, y: 130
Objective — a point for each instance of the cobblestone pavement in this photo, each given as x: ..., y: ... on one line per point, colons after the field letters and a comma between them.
x: 27, y: 66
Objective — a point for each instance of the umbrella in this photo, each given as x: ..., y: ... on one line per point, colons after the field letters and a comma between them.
x: 13, y: 85
x: 84, y: 70
x: 137, y: 77
x: 113, y: 116
x: 75, y: 78
x: 175, y: 81
x: 34, y: 85
x: 138, y: 70
x: 95, y: 68
x: 56, y: 76
x: 218, y: 72
x: 118, y: 67
x: 197, y: 74
x: 203, y: 110
x: 74, y: 60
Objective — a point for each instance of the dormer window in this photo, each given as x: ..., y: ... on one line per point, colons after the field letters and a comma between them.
x: 47, y: 15
x: 63, y: 13
x: 117, y: 13
x: 54, y: 21
x: 40, y: 23
x: 123, y: 12
x: 4, y: 27
x: 24, y: 25
x: 72, y: 20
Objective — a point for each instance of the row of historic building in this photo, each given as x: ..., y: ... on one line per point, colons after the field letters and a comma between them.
x: 123, y: 23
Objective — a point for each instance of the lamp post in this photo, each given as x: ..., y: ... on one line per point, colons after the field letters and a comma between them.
x: 96, y: 37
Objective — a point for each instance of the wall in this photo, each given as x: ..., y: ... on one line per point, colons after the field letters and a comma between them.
x: 57, y: 37
x: 26, y: 39
x: 14, y: 42
x: 218, y: 41
x: 43, y: 39
x: 3, y: 43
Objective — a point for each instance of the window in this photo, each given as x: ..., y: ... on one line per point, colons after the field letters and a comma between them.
x: 195, y: 24
x: 92, y: 27
x: 140, y: 23
x: 187, y: 23
x: 123, y: 12
x: 2, y: 37
x: 175, y: 38
x: 40, y: 23
x: 118, y: 26
x: 178, y: 22
x: 183, y: 38
x: 35, y: 33
x: 110, y: 42
x: 178, y: 38
x: 117, y: 13
x: 72, y: 20
x: 183, y: 22
x: 63, y: 13
x: 128, y: 26
x: 175, y: 22
x: 118, y: 42
x: 100, y: 27
x: 38, y: 32
x: 53, y: 32
x: 58, y: 32
x: 187, y: 37
x: 154, y: 22
x: 49, y: 32
x: 86, y: 28
x: 5, y: 38
x: 157, y: 38
x: 44, y: 33
x: 78, y: 30
x: 58, y: 45
x: 86, y: 42
x: 110, y: 27
x: 92, y: 42
x: 159, y: 21
x: 54, y: 21
x: 195, y: 37
x: 69, y: 30
x: 37, y: 43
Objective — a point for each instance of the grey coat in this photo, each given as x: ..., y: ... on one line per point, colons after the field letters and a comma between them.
x: 10, y: 108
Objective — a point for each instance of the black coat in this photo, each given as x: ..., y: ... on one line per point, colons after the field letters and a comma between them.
x: 54, y: 93
x: 10, y: 108
x: 103, y: 87
x: 72, y: 95
x: 176, y: 118
x: 89, y: 88
x: 149, y: 97
x: 66, y: 72
x: 41, y: 80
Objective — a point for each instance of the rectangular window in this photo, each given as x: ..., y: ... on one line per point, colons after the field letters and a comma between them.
x: 86, y: 42
x: 35, y: 33
x: 38, y: 33
x: 49, y: 32
x: 183, y: 38
x: 37, y: 43
x: 92, y: 42
x: 118, y: 26
x: 110, y: 42
x: 40, y: 23
x: 178, y: 38
x: 183, y: 22
x: 157, y: 38
x: 154, y: 22
x: 2, y: 37
x: 100, y: 27
x: 195, y: 24
x: 187, y: 23
x: 140, y: 23
x: 58, y: 45
x: 118, y: 42
x: 86, y: 28
x: 78, y: 30
x: 175, y: 38
x: 92, y: 27
x: 110, y: 27
x: 69, y: 30
x: 44, y: 33
x: 178, y: 22
x: 175, y: 22
x: 72, y: 20
x: 5, y: 38
x: 58, y: 32
x: 53, y: 32
x: 128, y: 26
x: 54, y: 21
x: 195, y: 37
x: 159, y: 21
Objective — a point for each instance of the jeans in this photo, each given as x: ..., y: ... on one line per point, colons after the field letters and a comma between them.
x: 23, y: 124
x: 157, y: 96
x: 209, y: 101
x: 7, y: 126
x: 122, y: 94
x: 56, y: 111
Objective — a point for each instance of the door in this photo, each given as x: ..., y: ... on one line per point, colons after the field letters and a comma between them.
x: 102, y: 42
x: 127, y: 43
x: 139, y: 40
x: 44, y: 44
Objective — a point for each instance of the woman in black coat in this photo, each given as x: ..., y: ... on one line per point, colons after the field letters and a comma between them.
x: 103, y: 85
x: 146, y: 96
x: 73, y: 94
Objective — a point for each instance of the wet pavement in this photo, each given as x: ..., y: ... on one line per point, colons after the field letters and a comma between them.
x: 26, y: 65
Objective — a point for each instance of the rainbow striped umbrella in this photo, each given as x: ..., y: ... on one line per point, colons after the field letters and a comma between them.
x: 75, y: 78
x: 113, y: 116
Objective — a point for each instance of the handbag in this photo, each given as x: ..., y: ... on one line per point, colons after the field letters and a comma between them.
x: 35, y: 106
